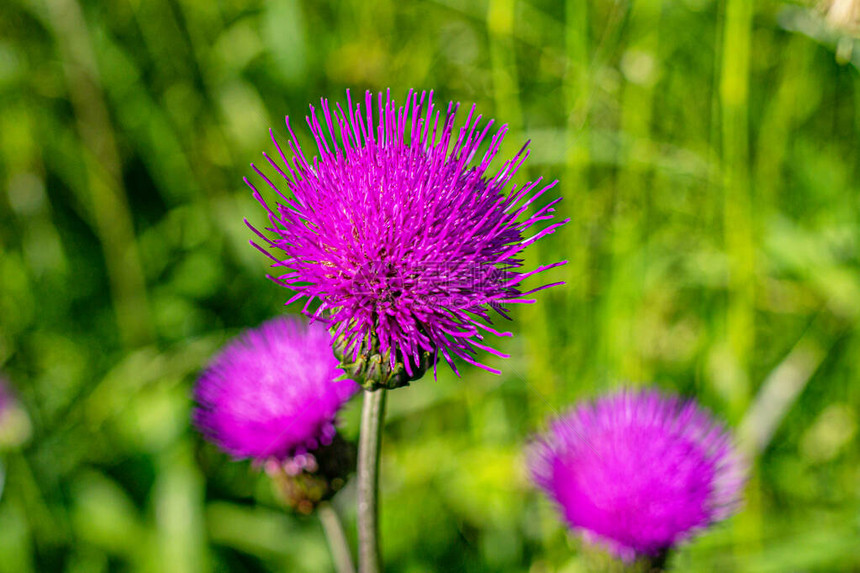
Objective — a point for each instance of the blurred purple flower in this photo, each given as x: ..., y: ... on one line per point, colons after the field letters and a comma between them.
x: 406, y: 246
x: 271, y: 394
x: 638, y: 471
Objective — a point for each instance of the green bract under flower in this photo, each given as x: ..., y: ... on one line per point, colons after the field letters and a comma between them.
x: 374, y: 368
x: 306, y: 480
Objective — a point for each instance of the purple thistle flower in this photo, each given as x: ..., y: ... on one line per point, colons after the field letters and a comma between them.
x: 406, y: 246
x: 272, y: 394
x: 638, y: 471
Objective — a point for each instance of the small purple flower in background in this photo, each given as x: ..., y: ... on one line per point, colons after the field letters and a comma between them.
x: 15, y: 427
x: 638, y: 471
x: 405, y: 244
x: 271, y: 393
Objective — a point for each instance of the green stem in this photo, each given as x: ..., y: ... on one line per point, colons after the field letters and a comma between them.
x: 738, y: 212
x: 740, y: 239
x: 337, y: 543
x: 372, y: 414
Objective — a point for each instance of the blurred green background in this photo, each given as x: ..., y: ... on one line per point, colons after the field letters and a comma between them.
x: 708, y: 158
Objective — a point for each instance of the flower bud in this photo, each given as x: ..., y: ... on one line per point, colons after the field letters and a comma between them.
x: 373, y: 369
x: 305, y: 480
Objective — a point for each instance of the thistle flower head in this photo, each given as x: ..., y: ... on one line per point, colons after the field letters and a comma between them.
x: 400, y: 232
x: 638, y: 471
x: 272, y: 394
